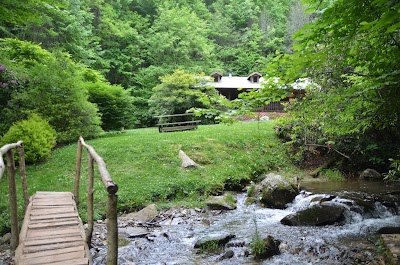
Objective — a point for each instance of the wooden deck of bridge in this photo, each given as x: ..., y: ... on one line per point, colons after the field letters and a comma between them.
x: 52, y: 232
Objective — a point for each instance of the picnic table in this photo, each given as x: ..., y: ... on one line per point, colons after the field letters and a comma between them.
x: 177, y: 122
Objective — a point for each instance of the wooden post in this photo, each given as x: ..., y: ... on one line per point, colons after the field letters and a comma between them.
x: 90, y: 200
x: 22, y: 169
x: 78, y: 163
x: 112, y: 229
x: 13, y: 201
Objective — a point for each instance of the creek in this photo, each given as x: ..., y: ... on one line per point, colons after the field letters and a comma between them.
x: 370, y: 206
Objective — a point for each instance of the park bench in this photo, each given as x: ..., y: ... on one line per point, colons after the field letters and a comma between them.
x: 176, y: 122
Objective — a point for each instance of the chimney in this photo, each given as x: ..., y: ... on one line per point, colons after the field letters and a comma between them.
x: 230, y: 73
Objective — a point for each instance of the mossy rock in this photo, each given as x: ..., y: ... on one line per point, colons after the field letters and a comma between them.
x: 326, y: 213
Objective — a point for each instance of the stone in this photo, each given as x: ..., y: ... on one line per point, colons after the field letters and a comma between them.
x: 236, y: 244
x: 271, y: 248
x: 277, y: 192
x: 227, y: 255
x: 326, y: 213
x: 134, y: 232
x: 6, y: 238
x: 224, y: 202
x: 371, y: 174
x: 145, y: 215
x: 388, y: 230
x: 221, y: 239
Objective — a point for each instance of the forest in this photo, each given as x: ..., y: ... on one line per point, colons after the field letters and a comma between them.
x: 81, y: 67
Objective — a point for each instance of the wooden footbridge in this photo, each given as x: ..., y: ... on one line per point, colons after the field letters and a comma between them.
x: 52, y: 231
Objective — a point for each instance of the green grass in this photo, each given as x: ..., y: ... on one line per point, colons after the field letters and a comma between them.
x: 145, y: 165
x: 332, y: 175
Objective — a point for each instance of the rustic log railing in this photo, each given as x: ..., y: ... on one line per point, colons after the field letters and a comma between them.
x: 8, y: 150
x: 111, y: 187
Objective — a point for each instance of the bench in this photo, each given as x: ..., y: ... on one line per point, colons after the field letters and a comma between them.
x: 176, y: 122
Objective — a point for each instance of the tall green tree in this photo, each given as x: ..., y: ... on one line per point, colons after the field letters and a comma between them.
x: 179, y: 38
x: 120, y: 32
x: 181, y: 91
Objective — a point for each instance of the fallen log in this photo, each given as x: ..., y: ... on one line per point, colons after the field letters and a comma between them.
x: 186, y: 161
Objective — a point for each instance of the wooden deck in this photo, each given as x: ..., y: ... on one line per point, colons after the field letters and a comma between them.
x: 52, y: 232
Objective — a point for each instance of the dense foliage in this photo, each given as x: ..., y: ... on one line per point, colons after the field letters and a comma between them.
x: 48, y: 84
x: 133, y: 43
x: 114, y: 103
x: 351, y: 51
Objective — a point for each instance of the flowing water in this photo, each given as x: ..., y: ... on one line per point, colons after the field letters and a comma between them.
x: 369, y: 206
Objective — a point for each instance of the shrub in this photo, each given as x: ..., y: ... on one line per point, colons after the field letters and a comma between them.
x: 38, y: 137
x: 114, y: 103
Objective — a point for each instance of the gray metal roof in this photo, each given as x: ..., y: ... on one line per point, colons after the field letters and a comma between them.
x: 235, y: 82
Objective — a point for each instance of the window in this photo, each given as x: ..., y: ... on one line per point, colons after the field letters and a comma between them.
x: 216, y: 78
x: 255, y: 79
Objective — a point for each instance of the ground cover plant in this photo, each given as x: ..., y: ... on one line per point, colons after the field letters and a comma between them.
x: 145, y: 165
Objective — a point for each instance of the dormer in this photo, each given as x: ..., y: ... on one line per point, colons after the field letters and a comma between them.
x: 254, y: 77
x: 216, y: 77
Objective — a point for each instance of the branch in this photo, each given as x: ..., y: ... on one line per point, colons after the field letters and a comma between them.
x: 325, y: 146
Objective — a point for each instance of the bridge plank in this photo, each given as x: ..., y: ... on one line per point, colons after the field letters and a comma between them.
x: 51, y: 232
x: 54, y: 258
x: 52, y: 240
x: 55, y: 210
x: 53, y: 216
x: 54, y: 252
x: 51, y: 247
x: 83, y: 261
x: 51, y: 224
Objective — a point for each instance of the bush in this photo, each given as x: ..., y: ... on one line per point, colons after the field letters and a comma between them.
x: 38, y: 137
x: 114, y: 103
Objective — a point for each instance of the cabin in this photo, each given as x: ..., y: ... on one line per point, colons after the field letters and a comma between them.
x: 231, y: 86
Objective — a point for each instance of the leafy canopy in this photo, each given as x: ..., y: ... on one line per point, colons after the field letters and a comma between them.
x: 351, y: 51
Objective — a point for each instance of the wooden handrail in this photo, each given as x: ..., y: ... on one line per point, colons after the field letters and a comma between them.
x: 111, y: 187
x: 8, y: 150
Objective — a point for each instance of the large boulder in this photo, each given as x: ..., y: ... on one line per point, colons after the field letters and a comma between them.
x: 225, y: 202
x: 145, y: 215
x: 371, y: 174
x: 277, y: 192
x: 326, y: 213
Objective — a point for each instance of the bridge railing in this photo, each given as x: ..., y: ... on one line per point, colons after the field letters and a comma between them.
x: 111, y: 187
x: 8, y: 150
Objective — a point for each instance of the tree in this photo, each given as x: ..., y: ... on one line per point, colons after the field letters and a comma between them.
x: 350, y: 51
x: 179, y: 92
x: 120, y: 32
x: 178, y: 38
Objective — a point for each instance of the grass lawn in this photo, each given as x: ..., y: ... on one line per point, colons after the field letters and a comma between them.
x: 145, y: 165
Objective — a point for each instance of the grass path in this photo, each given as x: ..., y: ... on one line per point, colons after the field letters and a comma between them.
x: 145, y: 165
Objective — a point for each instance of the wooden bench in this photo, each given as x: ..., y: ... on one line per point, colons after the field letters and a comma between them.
x: 177, y: 122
